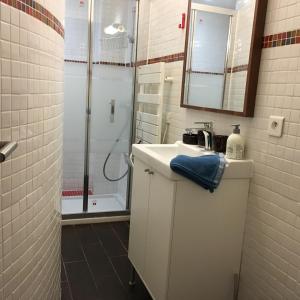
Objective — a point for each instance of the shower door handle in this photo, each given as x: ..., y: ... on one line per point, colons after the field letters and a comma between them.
x: 112, y: 110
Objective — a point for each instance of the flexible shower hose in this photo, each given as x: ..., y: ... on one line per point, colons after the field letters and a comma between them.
x: 105, y: 163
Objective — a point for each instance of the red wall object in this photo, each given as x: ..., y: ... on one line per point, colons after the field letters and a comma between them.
x: 182, y: 25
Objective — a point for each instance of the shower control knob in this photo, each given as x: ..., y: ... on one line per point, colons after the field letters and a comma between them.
x: 151, y: 173
x: 147, y: 170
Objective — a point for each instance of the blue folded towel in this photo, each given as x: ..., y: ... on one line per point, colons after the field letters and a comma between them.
x: 206, y: 170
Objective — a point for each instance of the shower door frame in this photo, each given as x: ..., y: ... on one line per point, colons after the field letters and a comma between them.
x: 85, y: 213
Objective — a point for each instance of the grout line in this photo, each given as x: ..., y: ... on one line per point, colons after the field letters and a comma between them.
x: 73, y: 261
x: 68, y: 282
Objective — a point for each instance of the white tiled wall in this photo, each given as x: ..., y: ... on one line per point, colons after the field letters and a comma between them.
x: 271, y: 262
x: 31, y: 113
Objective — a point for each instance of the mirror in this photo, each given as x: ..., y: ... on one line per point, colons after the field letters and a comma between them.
x: 222, y: 55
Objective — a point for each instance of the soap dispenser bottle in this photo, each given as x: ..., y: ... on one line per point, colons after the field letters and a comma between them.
x: 235, y: 147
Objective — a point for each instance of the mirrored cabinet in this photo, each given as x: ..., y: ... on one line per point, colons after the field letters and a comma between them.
x: 222, y: 55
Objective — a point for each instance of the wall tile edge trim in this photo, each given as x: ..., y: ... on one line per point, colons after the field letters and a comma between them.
x: 37, y: 11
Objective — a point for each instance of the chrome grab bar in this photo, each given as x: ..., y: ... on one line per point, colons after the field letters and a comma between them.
x: 6, y: 149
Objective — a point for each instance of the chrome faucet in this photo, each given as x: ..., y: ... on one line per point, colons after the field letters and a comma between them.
x: 208, y: 134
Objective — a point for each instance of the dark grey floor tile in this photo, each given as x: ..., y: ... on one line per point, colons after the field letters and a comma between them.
x: 63, y: 277
x: 71, y: 246
x: 86, y: 234
x: 105, y: 273
x: 138, y: 292
x: 81, y: 281
x: 110, y: 288
x: 122, y: 266
x: 98, y: 261
x: 109, y: 239
x: 65, y: 291
x: 122, y: 230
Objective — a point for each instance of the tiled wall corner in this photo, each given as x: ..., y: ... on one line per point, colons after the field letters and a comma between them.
x: 271, y: 261
x: 31, y: 110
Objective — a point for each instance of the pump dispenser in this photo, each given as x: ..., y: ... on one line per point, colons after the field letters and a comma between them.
x: 235, y: 148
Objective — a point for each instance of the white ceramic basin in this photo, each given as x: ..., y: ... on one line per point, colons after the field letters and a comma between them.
x: 159, y: 156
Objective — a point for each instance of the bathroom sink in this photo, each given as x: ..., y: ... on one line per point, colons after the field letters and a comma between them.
x: 158, y: 156
x: 168, y: 152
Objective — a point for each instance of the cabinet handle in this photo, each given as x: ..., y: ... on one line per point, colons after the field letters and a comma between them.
x: 147, y: 170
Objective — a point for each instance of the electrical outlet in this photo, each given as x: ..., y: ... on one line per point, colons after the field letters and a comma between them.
x: 275, y: 126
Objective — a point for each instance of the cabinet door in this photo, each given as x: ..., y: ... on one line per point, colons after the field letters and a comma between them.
x: 160, y: 216
x: 139, y: 216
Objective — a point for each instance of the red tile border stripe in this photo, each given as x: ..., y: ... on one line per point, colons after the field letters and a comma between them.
x: 113, y: 63
x: 206, y: 73
x: 100, y: 63
x: 167, y: 59
x: 282, y: 39
x: 40, y: 13
x: 76, y: 61
x: 269, y: 41
x: 229, y: 70
x: 37, y: 11
x: 74, y: 193
x: 236, y: 69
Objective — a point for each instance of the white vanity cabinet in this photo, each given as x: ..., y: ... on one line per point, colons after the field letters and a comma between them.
x: 151, y: 227
x: 185, y: 242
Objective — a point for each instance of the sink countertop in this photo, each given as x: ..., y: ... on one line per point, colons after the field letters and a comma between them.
x: 158, y: 157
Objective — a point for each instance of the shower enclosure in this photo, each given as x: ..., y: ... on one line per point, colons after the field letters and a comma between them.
x: 99, y: 93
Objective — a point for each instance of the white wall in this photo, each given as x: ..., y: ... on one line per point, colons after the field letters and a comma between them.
x: 271, y: 261
x: 31, y: 113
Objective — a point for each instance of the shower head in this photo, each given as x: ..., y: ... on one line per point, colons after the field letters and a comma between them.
x: 114, y: 28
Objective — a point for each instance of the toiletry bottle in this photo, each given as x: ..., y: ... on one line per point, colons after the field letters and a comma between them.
x: 235, y: 147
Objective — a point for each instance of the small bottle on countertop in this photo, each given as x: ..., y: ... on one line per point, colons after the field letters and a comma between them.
x: 235, y: 147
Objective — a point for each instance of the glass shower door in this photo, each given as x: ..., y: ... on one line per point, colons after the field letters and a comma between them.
x: 75, y: 89
x: 111, y: 104
x: 99, y: 81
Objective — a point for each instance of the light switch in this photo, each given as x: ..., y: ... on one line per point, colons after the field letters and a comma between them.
x: 275, y: 126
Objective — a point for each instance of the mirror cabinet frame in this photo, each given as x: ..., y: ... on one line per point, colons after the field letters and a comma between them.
x: 253, y: 65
